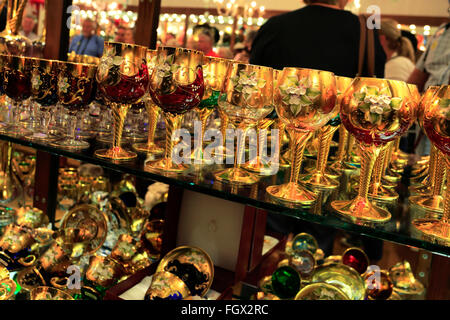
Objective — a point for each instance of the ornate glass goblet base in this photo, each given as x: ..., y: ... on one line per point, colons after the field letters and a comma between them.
x: 384, y: 195
x: 434, y: 230
x: 318, y: 181
x: 260, y: 167
x: 292, y: 192
x: 146, y: 147
x: 429, y: 202
x: 70, y: 144
x: 361, y: 210
x: 166, y: 165
x: 236, y: 176
x: 116, y: 153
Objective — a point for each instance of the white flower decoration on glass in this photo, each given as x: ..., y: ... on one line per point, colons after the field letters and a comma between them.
x: 103, y: 272
x: 375, y: 103
x: 63, y: 84
x: 126, y: 247
x: 108, y: 60
x: 247, y: 84
x: 36, y: 81
x: 298, y: 93
x: 444, y: 106
x: 167, y: 67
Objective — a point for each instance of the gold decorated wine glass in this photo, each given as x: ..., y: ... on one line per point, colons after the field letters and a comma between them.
x: 305, y: 99
x: 214, y: 72
x: 17, y: 87
x: 247, y: 97
x: 436, y: 122
x: 320, y: 177
x: 122, y: 78
x: 76, y: 90
x: 176, y: 86
x: 44, y: 92
x: 153, y: 111
x: 375, y: 111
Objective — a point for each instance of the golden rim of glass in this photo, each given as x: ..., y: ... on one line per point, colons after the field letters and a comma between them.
x: 90, y: 65
x: 300, y: 68
x: 180, y: 49
x: 126, y: 44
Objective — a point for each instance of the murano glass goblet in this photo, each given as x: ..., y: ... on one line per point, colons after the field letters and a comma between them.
x: 214, y: 72
x: 176, y: 86
x: 247, y: 97
x: 319, y: 178
x: 436, y: 122
x: 153, y: 111
x: 17, y: 87
x: 122, y: 78
x: 375, y: 111
x: 76, y: 90
x: 44, y: 92
x: 305, y: 99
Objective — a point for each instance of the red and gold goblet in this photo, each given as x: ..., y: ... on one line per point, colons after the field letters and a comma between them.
x: 122, y: 78
x: 375, y: 111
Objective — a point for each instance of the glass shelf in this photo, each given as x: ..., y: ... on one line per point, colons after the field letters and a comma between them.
x: 201, y: 179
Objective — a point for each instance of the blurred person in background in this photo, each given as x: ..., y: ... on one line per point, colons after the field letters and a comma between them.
x: 244, y: 55
x: 88, y: 43
x: 204, y: 42
x: 27, y: 29
x: 225, y: 53
x: 120, y: 33
x: 324, y: 36
x: 399, y: 51
x: 129, y: 36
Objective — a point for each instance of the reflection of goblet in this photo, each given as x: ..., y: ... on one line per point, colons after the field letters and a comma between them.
x: 304, y: 100
x: 122, y: 79
x: 247, y: 98
x: 319, y: 178
x: 49, y: 293
x: 214, y: 72
x: 76, y: 89
x: 17, y: 86
x: 176, y: 86
x: 375, y: 111
x: 44, y: 91
x: 436, y: 122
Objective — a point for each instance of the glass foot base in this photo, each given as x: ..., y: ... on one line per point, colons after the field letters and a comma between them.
x: 133, y: 139
x: 226, y: 153
x: 40, y: 137
x: 116, y: 154
x: 433, y: 230
x: 145, y: 147
x: 166, y: 165
x: 236, y: 176
x: 319, y: 181
x: 293, y: 193
x: 384, y: 195
x: 197, y: 158
x: 420, y: 190
x: 15, y: 131
x: 360, y: 210
x: 263, y: 169
x: 428, y: 202
x: 70, y: 144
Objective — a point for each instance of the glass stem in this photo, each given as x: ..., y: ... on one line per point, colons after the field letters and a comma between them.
x: 224, y: 122
x: 446, y: 214
x: 298, y: 140
x: 240, y: 146
x: 378, y: 170
x: 368, y: 156
x: 439, y: 178
x: 72, y: 127
x: 119, y: 112
x: 351, y: 142
x: 45, y: 120
x: 343, y: 139
x: 432, y: 168
x: 203, y: 115
x: 153, y: 114
x: 325, y: 137
x: 173, y: 122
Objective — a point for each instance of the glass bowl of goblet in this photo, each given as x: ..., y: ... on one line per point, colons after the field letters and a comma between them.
x: 319, y: 178
x: 76, y: 90
x: 153, y: 111
x: 436, y: 122
x: 123, y: 79
x: 17, y: 87
x: 214, y: 72
x: 246, y: 98
x: 176, y: 86
x: 375, y: 111
x: 305, y: 100
x: 44, y: 92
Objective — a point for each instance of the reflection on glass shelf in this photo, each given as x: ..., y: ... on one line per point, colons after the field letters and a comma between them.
x: 201, y: 179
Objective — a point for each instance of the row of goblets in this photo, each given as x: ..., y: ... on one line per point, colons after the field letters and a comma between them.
x: 374, y: 111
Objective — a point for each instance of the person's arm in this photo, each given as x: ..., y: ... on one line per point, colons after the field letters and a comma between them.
x: 419, y: 78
